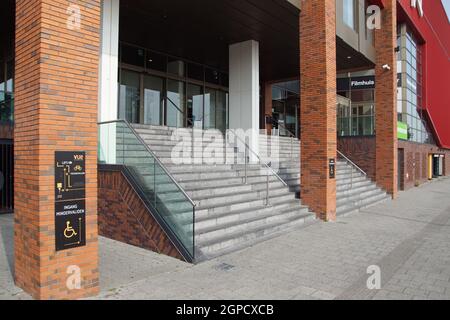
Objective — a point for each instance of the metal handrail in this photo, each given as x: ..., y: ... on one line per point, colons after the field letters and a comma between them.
x: 352, y: 163
x: 260, y: 161
x: 246, y: 155
x: 291, y: 135
x: 287, y: 130
x: 154, y: 156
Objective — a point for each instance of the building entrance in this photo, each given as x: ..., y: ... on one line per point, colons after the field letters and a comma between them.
x: 157, y: 89
x: 286, y: 104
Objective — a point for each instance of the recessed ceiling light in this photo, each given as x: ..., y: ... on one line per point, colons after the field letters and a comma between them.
x: 349, y: 57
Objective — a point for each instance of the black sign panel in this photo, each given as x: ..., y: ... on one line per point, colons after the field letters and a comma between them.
x: 363, y: 82
x: 70, y: 222
x: 70, y: 176
x: 70, y: 203
x: 355, y: 83
x: 332, y: 168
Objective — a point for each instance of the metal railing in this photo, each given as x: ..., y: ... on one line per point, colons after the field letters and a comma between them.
x: 248, y: 150
x: 353, y: 165
x: 266, y: 166
x: 291, y: 135
x: 120, y: 144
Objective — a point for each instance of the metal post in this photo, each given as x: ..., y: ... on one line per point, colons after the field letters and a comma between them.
x: 246, y: 160
x: 154, y: 180
x: 291, y: 148
x: 351, y: 179
x: 123, y: 144
x: 267, y: 189
x: 193, y: 232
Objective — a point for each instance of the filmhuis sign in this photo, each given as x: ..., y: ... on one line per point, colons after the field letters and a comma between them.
x: 355, y: 83
x: 70, y: 200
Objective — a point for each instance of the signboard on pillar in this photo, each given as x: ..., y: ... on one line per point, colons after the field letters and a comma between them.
x: 332, y: 168
x: 70, y: 200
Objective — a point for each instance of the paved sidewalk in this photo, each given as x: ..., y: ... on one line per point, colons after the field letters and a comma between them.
x: 409, y: 239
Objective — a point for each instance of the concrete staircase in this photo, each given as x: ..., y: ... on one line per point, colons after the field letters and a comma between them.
x: 230, y: 213
x: 355, y: 191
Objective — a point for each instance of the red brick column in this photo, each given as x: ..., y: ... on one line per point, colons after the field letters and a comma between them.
x: 318, y: 105
x: 55, y: 109
x: 386, y: 99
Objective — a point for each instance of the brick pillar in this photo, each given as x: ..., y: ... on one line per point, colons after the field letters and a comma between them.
x: 268, y: 106
x: 318, y: 105
x: 386, y: 99
x: 55, y: 110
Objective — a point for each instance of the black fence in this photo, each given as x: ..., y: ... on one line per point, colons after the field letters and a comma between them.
x: 6, y: 176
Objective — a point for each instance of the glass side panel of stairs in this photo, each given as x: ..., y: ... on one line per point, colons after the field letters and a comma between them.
x: 120, y: 145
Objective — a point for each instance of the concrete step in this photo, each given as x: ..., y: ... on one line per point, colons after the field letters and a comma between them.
x: 209, y: 220
x: 355, y: 190
x: 252, y: 201
x: 213, y: 200
x: 348, y: 208
x: 211, y: 248
x: 210, y: 234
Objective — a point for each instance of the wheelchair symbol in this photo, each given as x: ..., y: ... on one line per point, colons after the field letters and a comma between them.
x: 69, y: 232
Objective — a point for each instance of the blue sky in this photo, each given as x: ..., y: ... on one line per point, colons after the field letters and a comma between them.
x: 446, y: 4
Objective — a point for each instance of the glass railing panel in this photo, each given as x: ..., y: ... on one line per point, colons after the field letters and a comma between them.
x: 119, y: 144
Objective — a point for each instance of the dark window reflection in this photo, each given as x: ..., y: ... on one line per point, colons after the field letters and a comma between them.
x: 155, y: 61
x: 212, y: 76
x: 133, y: 56
x: 195, y: 71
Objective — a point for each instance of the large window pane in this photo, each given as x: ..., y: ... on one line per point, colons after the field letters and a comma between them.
x: 196, y: 72
x: 211, y: 97
x: 349, y: 13
x: 175, y: 103
x: 129, y: 97
x: 2, y: 82
x: 212, y: 76
x: 176, y: 67
x: 153, y: 100
x: 133, y: 55
x: 222, y: 111
x: 195, y: 105
x: 155, y: 61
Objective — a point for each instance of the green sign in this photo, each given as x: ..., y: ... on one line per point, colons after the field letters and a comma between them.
x: 402, y: 130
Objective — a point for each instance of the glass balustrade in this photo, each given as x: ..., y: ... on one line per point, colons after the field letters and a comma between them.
x: 119, y: 144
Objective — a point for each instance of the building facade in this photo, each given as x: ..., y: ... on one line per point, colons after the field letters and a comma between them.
x: 92, y: 91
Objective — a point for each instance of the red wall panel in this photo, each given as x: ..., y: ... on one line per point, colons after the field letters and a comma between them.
x: 434, y: 31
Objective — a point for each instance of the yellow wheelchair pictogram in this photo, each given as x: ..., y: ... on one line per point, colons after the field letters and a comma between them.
x: 69, y: 232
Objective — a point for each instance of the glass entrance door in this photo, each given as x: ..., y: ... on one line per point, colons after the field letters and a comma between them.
x: 195, y: 105
x: 129, y: 102
x: 175, y: 111
x: 153, y: 109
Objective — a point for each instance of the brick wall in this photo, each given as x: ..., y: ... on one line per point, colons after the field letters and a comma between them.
x: 122, y: 216
x: 386, y: 99
x: 362, y: 151
x: 318, y: 101
x: 415, y: 168
x: 55, y: 109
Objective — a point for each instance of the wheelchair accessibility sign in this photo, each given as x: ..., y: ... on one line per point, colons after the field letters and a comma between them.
x: 70, y: 224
